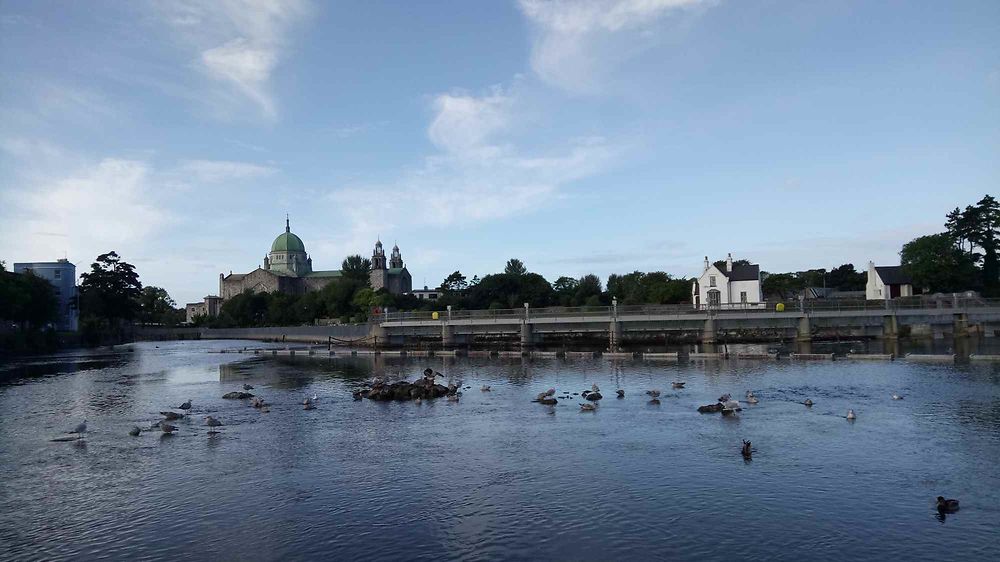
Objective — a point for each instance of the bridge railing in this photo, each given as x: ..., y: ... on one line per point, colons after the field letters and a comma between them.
x: 606, y: 312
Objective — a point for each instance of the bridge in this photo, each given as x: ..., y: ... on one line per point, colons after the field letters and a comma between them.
x: 803, y: 321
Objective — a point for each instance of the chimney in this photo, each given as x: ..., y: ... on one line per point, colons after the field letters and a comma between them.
x: 729, y: 263
x: 706, y: 265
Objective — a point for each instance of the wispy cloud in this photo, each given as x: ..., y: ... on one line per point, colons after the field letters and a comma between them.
x: 216, y: 171
x: 578, y: 41
x: 239, y: 43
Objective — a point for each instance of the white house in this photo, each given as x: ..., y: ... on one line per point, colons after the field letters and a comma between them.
x: 738, y: 286
x: 887, y: 282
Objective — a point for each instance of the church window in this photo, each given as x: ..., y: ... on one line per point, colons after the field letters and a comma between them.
x: 711, y: 280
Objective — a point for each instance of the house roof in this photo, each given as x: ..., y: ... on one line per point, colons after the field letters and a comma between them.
x: 893, y: 275
x: 743, y: 273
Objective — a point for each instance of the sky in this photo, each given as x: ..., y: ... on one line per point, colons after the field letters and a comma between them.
x: 590, y: 136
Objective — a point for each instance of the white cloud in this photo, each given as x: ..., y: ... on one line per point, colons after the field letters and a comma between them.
x: 216, y: 171
x: 579, y: 40
x: 104, y: 205
x: 465, y: 122
x: 239, y: 42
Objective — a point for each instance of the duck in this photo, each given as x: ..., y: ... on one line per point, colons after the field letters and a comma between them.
x: 594, y: 396
x: 212, y: 422
x: 896, y: 397
x: 946, y: 505
x: 752, y: 399
x: 247, y: 386
x: 548, y: 401
x: 171, y: 416
x: 485, y: 388
x: 186, y: 405
x: 588, y: 407
x: 750, y: 394
x: 678, y: 384
x: 620, y: 393
x: 135, y: 431
x: 747, y: 449
x: 850, y: 415
x: 808, y: 402
x: 653, y: 393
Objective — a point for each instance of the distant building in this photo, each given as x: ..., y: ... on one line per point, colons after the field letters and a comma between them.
x: 427, y: 294
x: 393, y: 276
x: 736, y: 286
x: 208, y: 307
x: 887, y: 282
x: 62, y: 275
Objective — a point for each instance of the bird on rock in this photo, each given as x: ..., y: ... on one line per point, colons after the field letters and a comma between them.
x: 186, y: 405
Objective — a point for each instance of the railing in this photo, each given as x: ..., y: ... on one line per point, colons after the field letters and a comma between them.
x: 607, y: 312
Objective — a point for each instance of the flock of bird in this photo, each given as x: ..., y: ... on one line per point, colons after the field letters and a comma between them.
x: 725, y: 404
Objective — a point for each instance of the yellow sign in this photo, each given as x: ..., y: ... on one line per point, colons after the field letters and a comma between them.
x: 434, y: 315
x: 780, y: 307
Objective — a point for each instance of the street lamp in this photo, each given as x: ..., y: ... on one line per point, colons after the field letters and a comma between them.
x: 449, y: 313
x: 525, y: 312
x: 614, y: 306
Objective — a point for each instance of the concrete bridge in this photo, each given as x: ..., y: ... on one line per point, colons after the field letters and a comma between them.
x: 802, y: 321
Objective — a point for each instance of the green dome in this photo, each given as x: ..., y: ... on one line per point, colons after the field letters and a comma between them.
x: 288, y: 242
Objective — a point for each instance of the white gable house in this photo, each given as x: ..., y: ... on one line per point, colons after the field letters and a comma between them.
x: 737, y: 286
x: 887, y: 282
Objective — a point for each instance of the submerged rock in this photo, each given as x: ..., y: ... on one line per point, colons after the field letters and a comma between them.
x: 710, y: 409
x: 237, y: 395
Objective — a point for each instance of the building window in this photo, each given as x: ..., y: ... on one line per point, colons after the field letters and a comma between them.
x: 714, y: 298
x: 743, y: 297
x: 433, y: 296
x: 58, y: 273
x: 711, y: 280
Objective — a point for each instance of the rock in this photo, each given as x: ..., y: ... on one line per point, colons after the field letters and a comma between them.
x: 237, y: 395
x: 710, y: 409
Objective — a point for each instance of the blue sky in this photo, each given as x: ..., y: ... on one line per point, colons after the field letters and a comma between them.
x: 594, y: 136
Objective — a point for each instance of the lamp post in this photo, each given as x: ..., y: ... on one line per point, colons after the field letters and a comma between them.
x: 526, y: 312
x: 614, y: 307
x: 449, y: 313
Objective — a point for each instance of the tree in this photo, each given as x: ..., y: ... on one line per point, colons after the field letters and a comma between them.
x: 846, y: 278
x: 357, y: 268
x: 937, y: 265
x: 979, y: 227
x: 27, y: 300
x: 454, y: 282
x: 156, y: 306
x: 515, y: 267
x: 721, y: 264
x: 111, y: 290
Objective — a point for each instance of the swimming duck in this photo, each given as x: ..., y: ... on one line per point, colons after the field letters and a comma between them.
x: 588, y: 407
x: 747, y: 449
x: 677, y: 384
x: 808, y: 402
x: 620, y: 393
x: 896, y: 397
x: 749, y: 394
x: 653, y: 393
x: 850, y: 415
x: 946, y: 506
x: 485, y: 388
x: 752, y: 399
x: 135, y: 431
x: 171, y: 416
x: 186, y: 405
x: 212, y: 422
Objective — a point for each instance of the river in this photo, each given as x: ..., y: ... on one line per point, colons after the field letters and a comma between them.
x: 494, y: 476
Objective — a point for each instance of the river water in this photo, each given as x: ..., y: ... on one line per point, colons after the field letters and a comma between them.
x: 495, y: 476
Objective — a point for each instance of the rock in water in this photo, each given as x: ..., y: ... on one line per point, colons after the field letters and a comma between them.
x: 710, y: 409
x: 237, y: 395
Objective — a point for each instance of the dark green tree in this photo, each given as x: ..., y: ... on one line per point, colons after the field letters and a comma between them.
x: 156, y: 306
x: 937, y: 264
x: 356, y: 268
x: 454, y: 282
x: 515, y: 267
x: 111, y: 290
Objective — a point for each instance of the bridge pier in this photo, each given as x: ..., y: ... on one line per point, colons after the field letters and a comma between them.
x: 708, y: 333
x: 961, y: 325
x: 614, y: 335
x: 447, y: 335
x: 986, y: 330
x: 890, y: 327
x: 804, y: 331
x: 378, y: 333
x: 526, y: 336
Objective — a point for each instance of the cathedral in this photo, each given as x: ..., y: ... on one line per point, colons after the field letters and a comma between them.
x: 288, y: 269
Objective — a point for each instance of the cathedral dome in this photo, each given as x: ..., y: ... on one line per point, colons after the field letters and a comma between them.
x: 288, y: 242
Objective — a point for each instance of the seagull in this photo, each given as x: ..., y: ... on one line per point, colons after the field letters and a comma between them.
x: 167, y: 428
x: 850, y: 415
x: 186, y: 405
x: 588, y: 407
x: 314, y: 397
x: 212, y: 422
x: 247, y: 386
x: 81, y: 428
x: 896, y: 397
